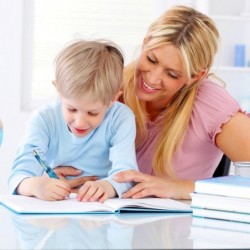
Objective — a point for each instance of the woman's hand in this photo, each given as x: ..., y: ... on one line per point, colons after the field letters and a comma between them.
x: 154, y: 186
x: 64, y: 171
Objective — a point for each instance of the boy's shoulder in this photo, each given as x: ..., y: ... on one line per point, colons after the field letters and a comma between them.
x: 50, y: 109
x: 119, y: 107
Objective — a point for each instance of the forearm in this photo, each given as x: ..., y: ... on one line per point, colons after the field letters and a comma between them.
x: 185, y: 188
x: 161, y: 187
x: 26, y: 186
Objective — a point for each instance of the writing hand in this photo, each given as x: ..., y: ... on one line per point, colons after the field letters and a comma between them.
x: 149, y: 185
x: 44, y: 188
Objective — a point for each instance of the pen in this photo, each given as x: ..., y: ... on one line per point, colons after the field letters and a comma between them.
x: 45, y: 166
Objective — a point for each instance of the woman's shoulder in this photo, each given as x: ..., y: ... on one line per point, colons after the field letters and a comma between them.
x: 214, y: 95
x: 213, y: 106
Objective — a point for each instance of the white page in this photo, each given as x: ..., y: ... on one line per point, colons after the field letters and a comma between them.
x: 24, y: 204
x: 150, y: 203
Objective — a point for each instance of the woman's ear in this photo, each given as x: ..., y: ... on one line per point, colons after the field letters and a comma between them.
x: 201, y: 74
x: 198, y: 76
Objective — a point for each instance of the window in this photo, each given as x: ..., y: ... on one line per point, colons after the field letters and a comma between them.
x: 50, y: 24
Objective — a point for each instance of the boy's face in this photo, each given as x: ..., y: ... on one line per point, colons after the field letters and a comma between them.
x: 83, y: 115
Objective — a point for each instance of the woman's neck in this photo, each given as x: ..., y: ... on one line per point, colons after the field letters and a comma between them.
x: 154, y: 111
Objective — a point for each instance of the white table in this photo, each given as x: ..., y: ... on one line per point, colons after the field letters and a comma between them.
x: 124, y: 231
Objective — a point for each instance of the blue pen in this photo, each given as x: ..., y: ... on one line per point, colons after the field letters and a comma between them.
x: 45, y: 166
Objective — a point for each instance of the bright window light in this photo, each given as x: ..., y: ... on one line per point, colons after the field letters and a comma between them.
x: 50, y: 24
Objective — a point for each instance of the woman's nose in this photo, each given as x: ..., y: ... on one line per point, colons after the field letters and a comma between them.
x: 154, y: 77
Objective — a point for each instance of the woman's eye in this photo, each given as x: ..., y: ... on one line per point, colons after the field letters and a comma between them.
x: 151, y: 60
x: 172, y: 76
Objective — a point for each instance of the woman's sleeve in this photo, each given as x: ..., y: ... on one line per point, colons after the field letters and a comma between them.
x: 214, y: 107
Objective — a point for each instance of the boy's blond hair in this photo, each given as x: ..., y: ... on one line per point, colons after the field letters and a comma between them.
x: 90, y: 68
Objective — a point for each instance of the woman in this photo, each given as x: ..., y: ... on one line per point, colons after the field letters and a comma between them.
x: 185, y: 119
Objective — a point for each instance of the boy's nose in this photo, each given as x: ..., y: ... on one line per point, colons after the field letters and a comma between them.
x: 80, y: 121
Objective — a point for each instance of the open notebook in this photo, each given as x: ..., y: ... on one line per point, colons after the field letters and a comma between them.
x: 31, y: 205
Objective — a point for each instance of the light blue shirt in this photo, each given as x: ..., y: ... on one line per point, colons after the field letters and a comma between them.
x: 103, y: 152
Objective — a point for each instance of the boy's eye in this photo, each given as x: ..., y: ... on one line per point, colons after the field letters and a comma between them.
x: 93, y: 114
x: 71, y: 110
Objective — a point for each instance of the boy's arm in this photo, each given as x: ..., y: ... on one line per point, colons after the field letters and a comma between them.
x: 122, y: 151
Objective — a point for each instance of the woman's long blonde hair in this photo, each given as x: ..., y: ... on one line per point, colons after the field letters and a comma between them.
x: 196, y: 36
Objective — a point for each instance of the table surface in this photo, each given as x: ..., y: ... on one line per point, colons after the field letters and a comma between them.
x: 122, y: 231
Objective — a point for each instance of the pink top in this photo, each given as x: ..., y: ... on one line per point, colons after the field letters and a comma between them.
x: 198, y: 155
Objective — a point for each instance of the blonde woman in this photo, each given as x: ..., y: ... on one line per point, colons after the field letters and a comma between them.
x: 85, y: 128
x: 185, y: 120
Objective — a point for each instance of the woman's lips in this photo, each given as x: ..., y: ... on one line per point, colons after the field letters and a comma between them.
x: 147, y: 88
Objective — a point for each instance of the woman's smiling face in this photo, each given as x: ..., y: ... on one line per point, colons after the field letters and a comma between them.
x: 159, y: 74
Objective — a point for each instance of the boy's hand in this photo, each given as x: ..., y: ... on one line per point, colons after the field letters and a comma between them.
x: 95, y: 191
x: 44, y: 188
x: 64, y: 171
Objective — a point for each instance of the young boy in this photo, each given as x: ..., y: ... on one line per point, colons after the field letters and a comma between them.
x: 85, y: 128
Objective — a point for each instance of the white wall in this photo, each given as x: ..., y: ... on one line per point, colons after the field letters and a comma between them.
x: 10, y: 81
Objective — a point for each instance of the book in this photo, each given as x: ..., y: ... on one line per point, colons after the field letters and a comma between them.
x: 231, y: 185
x: 220, y: 214
x: 24, y: 204
x: 217, y: 202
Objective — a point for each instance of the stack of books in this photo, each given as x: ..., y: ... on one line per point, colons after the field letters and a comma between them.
x: 225, y: 198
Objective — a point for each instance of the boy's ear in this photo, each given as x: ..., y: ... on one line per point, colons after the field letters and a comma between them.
x: 116, y: 97
x: 54, y: 82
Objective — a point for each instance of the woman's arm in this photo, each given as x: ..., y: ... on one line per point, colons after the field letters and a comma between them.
x: 234, y: 139
x: 155, y: 186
